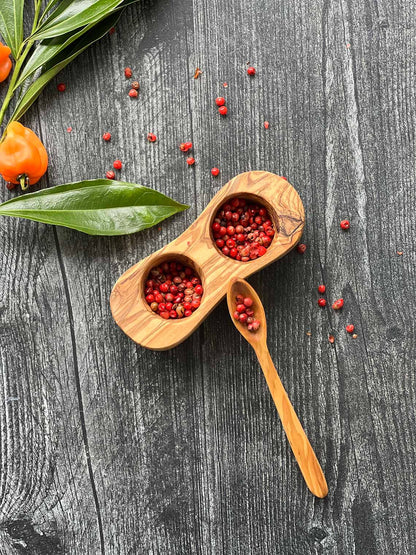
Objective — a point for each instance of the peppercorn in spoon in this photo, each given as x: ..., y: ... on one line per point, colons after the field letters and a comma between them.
x: 239, y: 295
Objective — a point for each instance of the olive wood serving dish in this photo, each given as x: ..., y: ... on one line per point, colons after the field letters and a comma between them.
x: 196, y: 248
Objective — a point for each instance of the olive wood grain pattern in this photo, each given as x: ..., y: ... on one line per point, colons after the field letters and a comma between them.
x: 196, y: 247
x: 301, y: 447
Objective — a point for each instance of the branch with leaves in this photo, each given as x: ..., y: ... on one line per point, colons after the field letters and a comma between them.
x: 60, y: 32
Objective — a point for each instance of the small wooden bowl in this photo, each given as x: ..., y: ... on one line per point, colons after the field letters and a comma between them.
x: 196, y: 248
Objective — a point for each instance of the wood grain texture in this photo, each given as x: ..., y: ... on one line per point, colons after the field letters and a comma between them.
x: 110, y: 448
x: 196, y: 247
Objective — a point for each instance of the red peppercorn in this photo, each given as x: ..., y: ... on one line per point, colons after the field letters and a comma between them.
x: 128, y: 72
x: 117, y: 164
x: 220, y: 101
x: 350, y: 328
x: 107, y: 136
x: 110, y: 174
x: 188, y: 146
x: 135, y: 85
x: 61, y: 87
x: 338, y: 304
x: 243, y: 318
x: 223, y: 110
x: 198, y: 289
x: 321, y: 302
x: 251, y: 70
x: 345, y: 224
x: 240, y: 308
x: 301, y: 248
x: 215, y: 172
x: 151, y: 137
x: 190, y: 161
x: 266, y: 125
x: 321, y: 289
x: 248, y: 301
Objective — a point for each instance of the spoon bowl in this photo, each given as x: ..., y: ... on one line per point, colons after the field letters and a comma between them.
x: 241, y: 287
x: 302, y: 449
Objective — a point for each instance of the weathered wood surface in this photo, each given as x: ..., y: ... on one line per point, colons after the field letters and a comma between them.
x: 109, y: 448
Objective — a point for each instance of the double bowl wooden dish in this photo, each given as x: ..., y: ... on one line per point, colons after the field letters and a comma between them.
x: 196, y: 248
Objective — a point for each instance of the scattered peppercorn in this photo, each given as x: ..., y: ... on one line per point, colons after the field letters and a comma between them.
x: 110, y: 174
x: 61, y: 87
x: 266, y: 125
x: 242, y: 230
x: 354, y: 336
x: 197, y: 73
x: 151, y: 137
x: 350, y: 328
x: 117, y: 164
x: 107, y: 136
x: 220, y: 101
x: 190, y: 161
x: 251, y: 70
x: 184, y: 147
x: 135, y: 85
x: 128, y: 73
x: 133, y: 93
x: 69, y: 129
x: 173, y: 290
x: 215, y: 172
x: 321, y: 289
x: 321, y: 302
x: 301, y: 248
x: 345, y: 224
x: 331, y: 339
x: 223, y: 110
x: 338, y: 304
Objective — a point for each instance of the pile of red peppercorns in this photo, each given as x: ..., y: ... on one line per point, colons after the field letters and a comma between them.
x: 244, y: 313
x: 173, y: 290
x: 242, y: 229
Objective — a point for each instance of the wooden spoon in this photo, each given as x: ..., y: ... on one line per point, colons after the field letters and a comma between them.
x: 302, y: 449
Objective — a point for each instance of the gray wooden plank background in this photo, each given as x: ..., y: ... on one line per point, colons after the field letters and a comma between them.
x: 110, y: 448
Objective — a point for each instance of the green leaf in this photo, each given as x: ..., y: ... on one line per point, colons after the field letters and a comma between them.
x: 96, y: 207
x: 47, y: 49
x: 73, y: 14
x: 11, y: 24
x: 60, y: 60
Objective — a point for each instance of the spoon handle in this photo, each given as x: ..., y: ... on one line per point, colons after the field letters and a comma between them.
x: 302, y: 449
